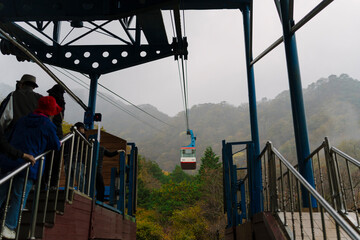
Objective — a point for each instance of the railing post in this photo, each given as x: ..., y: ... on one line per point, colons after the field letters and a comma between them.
x: 130, y: 204
x: 36, y: 200
x: 112, y: 195
x: 272, y: 179
x: 92, y: 152
x: 334, y: 183
x: 226, y: 179
x: 68, y: 176
x: 243, y: 201
x: 121, y: 201
x: 93, y: 169
x: 234, y: 189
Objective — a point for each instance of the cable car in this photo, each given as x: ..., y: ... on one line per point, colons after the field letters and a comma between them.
x: 188, y: 154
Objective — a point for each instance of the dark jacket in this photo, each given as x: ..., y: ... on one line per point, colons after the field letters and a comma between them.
x: 33, y: 134
x: 58, y: 93
x: 5, y: 147
x: 25, y: 101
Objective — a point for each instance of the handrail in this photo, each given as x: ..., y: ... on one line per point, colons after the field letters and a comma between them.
x: 21, y: 168
x: 315, y: 151
x: 344, y: 155
x: 339, y: 220
x: 25, y: 165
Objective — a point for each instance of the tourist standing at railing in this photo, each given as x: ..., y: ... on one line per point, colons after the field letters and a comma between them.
x: 78, y: 163
x: 33, y: 134
x: 19, y: 103
x: 57, y: 91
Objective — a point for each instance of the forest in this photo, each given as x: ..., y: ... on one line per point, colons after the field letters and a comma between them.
x: 179, y: 206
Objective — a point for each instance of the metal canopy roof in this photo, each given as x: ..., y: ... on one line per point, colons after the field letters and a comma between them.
x: 41, y: 15
x: 86, y: 10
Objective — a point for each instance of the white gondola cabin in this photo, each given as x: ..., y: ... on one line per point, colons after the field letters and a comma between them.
x: 188, y: 154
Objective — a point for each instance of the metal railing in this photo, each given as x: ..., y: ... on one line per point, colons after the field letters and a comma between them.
x: 236, y: 182
x: 83, y: 157
x: 282, y: 189
x: 341, y: 173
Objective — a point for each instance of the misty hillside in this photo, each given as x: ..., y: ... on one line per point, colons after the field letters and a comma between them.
x: 332, y: 109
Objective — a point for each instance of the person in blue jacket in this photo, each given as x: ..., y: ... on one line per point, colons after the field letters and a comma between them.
x: 33, y: 134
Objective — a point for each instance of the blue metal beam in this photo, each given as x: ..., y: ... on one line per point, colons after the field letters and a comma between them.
x: 254, y: 164
x: 297, y: 102
x: 89, y: 114
x: 131, y: 194
x: 112, y: 195
x: 122, y: 165
x: 227, y: 182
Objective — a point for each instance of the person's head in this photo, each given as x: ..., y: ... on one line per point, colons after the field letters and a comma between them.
x: 80, y: 127
x: 57, y: 89
x: 27, y: 80
x: 48, y: 106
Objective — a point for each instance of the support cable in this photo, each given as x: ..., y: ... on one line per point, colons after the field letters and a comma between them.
x: 105, y: 98
x: 42, y: 65
x: 117, y: 95
x: 182, y: 72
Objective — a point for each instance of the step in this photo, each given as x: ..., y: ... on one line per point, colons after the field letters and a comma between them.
x: 25, y: 229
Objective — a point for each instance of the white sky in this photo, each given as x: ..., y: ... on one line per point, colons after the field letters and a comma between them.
x: 328, y: 44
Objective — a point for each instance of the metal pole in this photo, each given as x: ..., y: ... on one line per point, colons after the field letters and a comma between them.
x: 121, y: 201
x: 297, y: 102
x: 89, y: 114
x: 36, y: 201
x: 130, y: 205
x: 255, y: 164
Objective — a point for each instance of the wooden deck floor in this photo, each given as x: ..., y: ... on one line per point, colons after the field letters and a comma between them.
x: 330, y: 227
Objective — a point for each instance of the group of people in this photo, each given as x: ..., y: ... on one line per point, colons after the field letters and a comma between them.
x: 26, y: 130
x: 31, y: 124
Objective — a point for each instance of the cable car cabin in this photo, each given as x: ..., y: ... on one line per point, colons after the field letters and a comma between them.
x: 188, y: 154
x: 188, y: 158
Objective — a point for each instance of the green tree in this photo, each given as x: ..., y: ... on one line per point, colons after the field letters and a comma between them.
x: 174, y: 196
x: 146, y: 226
x: 189, y: 224
x: 209, y: 161
x: 179, y: 175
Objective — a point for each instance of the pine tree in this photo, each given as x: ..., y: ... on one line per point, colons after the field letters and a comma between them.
x: 209, y: 161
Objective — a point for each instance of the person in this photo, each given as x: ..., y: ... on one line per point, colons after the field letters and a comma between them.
x: 34, y: 134
x: 24, y: 101
x: 100, y: 186
x: 57, y: 91
x: 78, y: 163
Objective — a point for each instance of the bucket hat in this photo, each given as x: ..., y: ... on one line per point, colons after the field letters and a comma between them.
x: 48, y: 106
x: 28, y: 78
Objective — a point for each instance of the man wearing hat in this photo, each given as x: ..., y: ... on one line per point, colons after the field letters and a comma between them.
x: 24, y: 101
x: 33, y: 134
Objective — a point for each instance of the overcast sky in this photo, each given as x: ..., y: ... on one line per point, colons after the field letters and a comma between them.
x: 328, y: 44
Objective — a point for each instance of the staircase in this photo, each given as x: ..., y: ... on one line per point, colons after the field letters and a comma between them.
x: 292, y: 208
